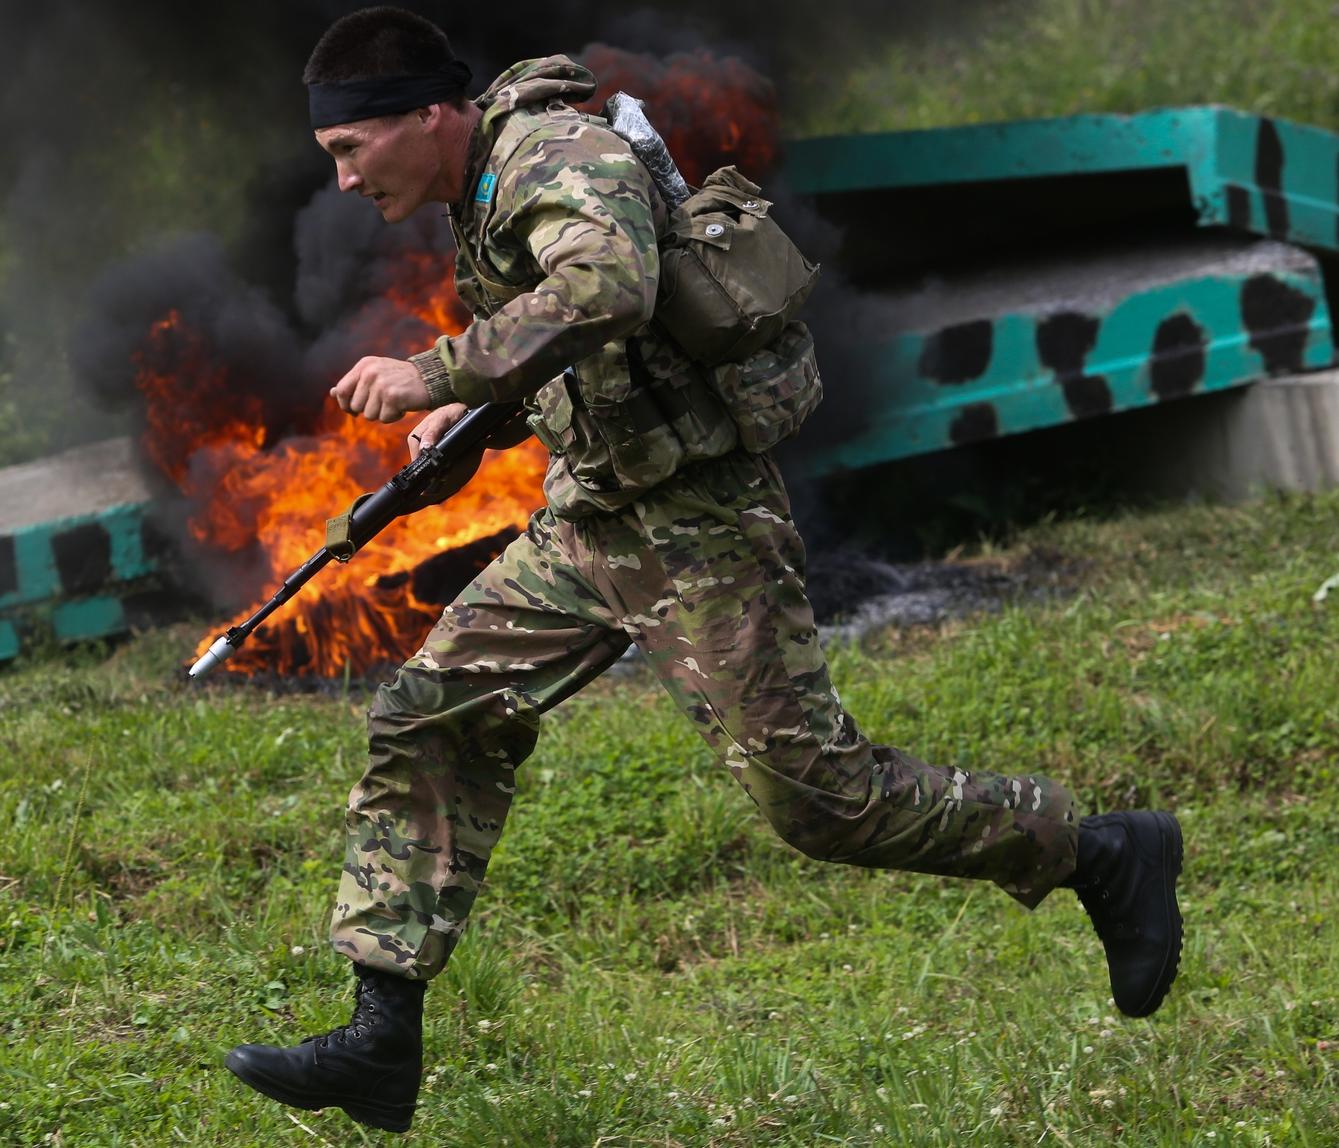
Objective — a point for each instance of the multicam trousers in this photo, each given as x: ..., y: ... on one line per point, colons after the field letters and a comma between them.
x: 705, y: 575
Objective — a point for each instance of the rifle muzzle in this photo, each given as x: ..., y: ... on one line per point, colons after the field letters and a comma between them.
x: 218, y: 653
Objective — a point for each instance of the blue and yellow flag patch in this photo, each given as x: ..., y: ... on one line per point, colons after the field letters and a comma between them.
x: 484, y: 192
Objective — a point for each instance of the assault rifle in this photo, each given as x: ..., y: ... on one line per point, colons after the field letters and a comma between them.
x: 371, y: 514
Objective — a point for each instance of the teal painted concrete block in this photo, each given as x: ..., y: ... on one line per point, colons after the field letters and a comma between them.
x: 1237, y: 201
x: 73, y: 558
x: 1252, y: 173
x: 1005, y: 374
x: 75, y: 555
x: 88, y: 619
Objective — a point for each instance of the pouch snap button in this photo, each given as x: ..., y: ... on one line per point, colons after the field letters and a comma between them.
x: 715, y: 229
x: 750, y: 204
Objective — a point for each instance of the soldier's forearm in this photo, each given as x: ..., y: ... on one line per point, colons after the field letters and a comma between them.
x: 509, y: 356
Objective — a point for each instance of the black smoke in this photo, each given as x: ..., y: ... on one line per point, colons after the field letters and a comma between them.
x: 125, y: 123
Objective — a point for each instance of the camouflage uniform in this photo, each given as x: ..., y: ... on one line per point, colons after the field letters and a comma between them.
x: 700, y: 566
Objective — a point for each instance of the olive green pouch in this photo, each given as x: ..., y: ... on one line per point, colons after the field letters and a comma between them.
x: 730, y: 278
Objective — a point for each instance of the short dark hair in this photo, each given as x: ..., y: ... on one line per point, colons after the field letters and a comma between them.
x: 382, y: 41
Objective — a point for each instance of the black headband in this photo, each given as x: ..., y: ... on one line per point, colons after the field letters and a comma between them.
x: 351, y: 100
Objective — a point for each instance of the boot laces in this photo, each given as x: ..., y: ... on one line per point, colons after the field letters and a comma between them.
x: 364, y: 1017
x: 1096, y: 901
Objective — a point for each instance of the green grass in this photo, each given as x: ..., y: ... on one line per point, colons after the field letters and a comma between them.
x: 1026, y: 58
x: 648, y: 965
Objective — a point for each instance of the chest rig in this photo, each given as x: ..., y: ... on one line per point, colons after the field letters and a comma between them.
x: 624, y: 418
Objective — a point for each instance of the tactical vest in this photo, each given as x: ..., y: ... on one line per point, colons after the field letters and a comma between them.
x: 630, y: 415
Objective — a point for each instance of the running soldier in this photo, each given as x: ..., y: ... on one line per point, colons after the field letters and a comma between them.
x: 661, y: 528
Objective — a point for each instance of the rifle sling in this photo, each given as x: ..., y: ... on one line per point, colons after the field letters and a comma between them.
x: 337, y: 538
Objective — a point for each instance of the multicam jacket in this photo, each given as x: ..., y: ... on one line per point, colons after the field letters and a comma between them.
x: 558, y: 260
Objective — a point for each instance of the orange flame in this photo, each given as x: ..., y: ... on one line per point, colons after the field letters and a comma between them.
x: 248, y: 495
x: 175, y: 431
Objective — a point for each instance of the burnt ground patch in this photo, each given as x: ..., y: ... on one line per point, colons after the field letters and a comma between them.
x: 853, y: 592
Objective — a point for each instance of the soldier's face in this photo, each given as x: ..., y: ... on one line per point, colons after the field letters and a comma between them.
x: 394, y: 161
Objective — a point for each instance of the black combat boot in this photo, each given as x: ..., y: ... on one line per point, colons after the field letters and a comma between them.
x: 1126, y: 879
x: 369, y: 1067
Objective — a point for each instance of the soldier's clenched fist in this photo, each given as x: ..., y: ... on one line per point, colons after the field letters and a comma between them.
x: 382, y: 389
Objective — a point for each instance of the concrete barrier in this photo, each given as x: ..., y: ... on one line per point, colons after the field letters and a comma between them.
x: 1277, y: 434
x: 76, y: 545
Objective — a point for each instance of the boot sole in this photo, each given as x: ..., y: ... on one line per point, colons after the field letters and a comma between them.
x: 1169, y: 834
x: 388, y: 1118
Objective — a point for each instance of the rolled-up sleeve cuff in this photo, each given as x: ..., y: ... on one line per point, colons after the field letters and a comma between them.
x: 436, y: 376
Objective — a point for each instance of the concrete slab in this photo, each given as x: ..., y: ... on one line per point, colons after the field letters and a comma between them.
x: 1092, y: 279
x: 79, y: 482
x: 1060, y: 337
x: 1278, y: 434
x: 77, y: 549
x: 1248, y: 172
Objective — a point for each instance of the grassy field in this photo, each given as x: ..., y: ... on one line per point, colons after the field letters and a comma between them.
x: 1017, y: 59
x: 649, y: 966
